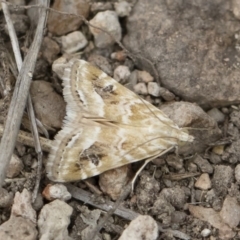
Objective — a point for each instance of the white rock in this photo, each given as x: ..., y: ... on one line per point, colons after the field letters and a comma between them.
x: 108, y: 21
x: 18, y: 228
x: 230, y: 212
x: 58, y: 66
x: 15, y: 166
x: 217, y: 115
x: 140, y: 88
x: 53, y: 221
x: 73, y: 42
x: 56, y: 191
x: 141, y: 228
x: 203, y: 182
x: 144, y: 76
x: 205, y: 232
x: 22, y: 206
x: 153, y: 89
x: 122, y: 8
x: 121, y: 74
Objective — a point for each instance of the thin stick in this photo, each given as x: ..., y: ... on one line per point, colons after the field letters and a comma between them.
x: 18, y: 58
x: 20, y: 95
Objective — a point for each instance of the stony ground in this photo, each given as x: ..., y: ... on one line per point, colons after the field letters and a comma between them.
x: 181, y: 56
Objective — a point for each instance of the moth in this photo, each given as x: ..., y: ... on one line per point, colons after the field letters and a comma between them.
x: 106, y: 126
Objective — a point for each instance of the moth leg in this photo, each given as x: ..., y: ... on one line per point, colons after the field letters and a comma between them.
x: 146, y: 162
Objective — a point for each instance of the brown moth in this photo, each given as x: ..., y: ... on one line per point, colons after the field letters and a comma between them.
x: 106, y: 126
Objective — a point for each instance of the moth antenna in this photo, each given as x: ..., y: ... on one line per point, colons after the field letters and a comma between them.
x: 146, y: 162
x: 143, y: 101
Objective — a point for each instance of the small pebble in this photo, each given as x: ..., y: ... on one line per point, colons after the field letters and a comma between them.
x: 54, y: 219
x: 205, y: 232
x: 15, y: 167
x: 140, y: 88
x: 73, y: 42
x: 119, y: 56
x: 6, y: 198
x: 56, y: 191
x: 166, y: 94
x: 121, y: 74
x: 153, y: 89
x: 237, y: 173
x: 144, y: 76
x: 142, y: 227
x: 122, y: 8
x: 107, y: 20
x: 217, y: 115
x: 203, y: 182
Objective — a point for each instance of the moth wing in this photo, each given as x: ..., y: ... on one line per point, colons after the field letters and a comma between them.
x: 92, y: 92
x: 92, y: 148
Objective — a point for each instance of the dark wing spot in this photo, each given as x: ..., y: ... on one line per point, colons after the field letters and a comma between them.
x: 108, y: 88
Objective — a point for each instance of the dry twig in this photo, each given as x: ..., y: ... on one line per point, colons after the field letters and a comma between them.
x: 20, y: 95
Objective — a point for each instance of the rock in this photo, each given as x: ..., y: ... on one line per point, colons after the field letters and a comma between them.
x: 175, y: 195
x: 121, y: 74
x: 101, y: 7
x: 205, y: 232
x: 50, y: 49
x: 147, y: 191
x: 73, y: 42
x: 237, y: 173
x: 144, y: 76
x: 6, y: 198
x: 236, y: 8
x: 140, y: 88
x: 232, y: 153
x: 163, y: 35
x: 102, y: 63
x: 112, y: 182
x: 56, y: 191
x: 48, y: 105
x: 230, y: 212
x: 53, y: 221
x: 61, y: 24
x: 108, y: 21
x: 38, y: 203
x: 119, y: 56
x: 203, y: 164
x: 203, y: 182
x: 219, y: 150
x: 222, y: 179
x: 212, y: 217
x: 160, y: 206
x: 22, y: 206
x: 15, y: 167
x: 122, y: 8
x: 174, y: 162
x: 166, y: 94
x: 18, y: 228
x: 217, y: 115
x: 235, y: 118
x: 141, y: 228
x: 188, y: 114
x: 178, y: 217
x: 153, y: 89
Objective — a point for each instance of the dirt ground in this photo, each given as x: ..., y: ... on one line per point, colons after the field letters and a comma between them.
x: 180, y: 57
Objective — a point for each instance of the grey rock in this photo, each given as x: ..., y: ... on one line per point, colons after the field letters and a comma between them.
x: 194, y: 57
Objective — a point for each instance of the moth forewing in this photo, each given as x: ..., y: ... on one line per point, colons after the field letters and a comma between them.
x: 106, y: 126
